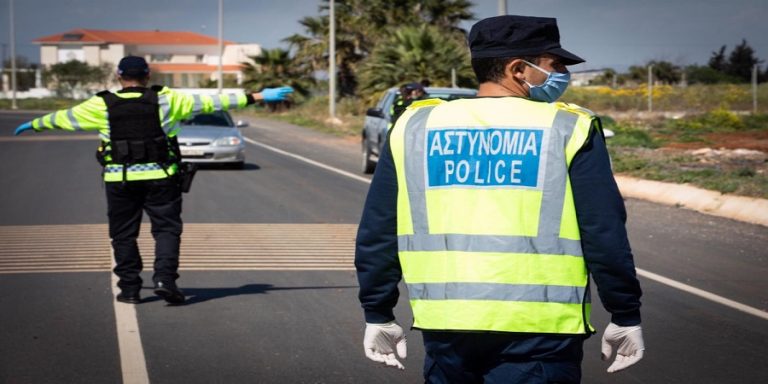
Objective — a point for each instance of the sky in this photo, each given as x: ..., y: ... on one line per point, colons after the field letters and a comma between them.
x: 607, y: 33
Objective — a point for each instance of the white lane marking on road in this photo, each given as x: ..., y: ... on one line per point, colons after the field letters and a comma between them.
x: 650, y: 275
x: 309, y: 161
x: 132, y: 360
x: 703, y: 294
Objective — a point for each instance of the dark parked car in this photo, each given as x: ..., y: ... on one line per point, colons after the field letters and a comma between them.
x: 378, y: 118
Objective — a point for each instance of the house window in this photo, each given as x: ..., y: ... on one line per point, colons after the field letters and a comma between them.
x: 159, y: 58
x: 163, y: 79
x: 72, y: 37
x: 69, y: 54
x: 199, y: 58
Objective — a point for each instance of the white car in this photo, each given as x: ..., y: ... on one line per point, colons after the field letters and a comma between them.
x: 212, y: 138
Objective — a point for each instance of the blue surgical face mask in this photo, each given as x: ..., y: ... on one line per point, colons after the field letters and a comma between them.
x: 552, y: 88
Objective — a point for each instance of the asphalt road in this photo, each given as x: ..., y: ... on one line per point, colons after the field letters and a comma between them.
x: 266, y: 265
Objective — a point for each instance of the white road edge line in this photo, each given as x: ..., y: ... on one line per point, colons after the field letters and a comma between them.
x: 309, y: 161
x: 132, y: 361
x: 703, y: 294
x: 649, y: 275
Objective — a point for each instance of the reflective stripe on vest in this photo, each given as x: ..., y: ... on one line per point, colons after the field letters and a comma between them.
x: 135, y: 172
x: 491, y: 251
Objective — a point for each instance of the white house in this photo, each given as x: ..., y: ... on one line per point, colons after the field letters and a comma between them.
x: 176, y: 58
x: 584, y: 78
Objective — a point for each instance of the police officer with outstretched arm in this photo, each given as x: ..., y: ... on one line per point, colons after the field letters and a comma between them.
x: 138, y: 126
x: 495, y: 211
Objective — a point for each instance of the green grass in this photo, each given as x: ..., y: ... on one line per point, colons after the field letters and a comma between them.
x: 314, y: 114
x: 48, y: 104
x: 741, y: 178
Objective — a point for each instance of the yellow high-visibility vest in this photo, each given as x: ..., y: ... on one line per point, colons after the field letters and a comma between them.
x: 173, y: 106
x: 487, y: 231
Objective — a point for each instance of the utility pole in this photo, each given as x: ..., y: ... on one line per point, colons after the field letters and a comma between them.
x: 221, y: 44
x: 502, y: 7
x: 650, y: 88
x: 754, y: 89
x: 13, y: 57
x: 332, y: 63
x: 453, y: 78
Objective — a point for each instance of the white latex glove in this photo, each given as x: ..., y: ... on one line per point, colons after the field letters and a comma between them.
x: 629, y: 343
x: 382, y: 340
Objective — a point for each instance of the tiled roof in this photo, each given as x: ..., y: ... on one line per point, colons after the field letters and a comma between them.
x: 191, y: 68
x: 98, y: 36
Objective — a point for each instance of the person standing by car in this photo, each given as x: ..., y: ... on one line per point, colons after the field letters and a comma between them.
x: 137, y: 126
x: 408, y: 94
x: 495, y: 210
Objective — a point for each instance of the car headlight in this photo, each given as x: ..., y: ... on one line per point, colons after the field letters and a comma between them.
x: 227, y: 141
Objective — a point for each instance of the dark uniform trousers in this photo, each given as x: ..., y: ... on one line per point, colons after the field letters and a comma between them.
x: 161, y: 199
x: 499, y: 358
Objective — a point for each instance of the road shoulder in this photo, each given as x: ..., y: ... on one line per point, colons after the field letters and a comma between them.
x: 747, y: 209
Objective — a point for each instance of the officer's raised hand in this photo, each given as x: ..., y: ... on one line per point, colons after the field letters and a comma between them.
x: 274, y: 94
x: 381, y: 341
x: 24, y: 127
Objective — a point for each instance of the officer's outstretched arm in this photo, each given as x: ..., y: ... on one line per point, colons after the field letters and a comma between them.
x: 88, y: 115
x: 271, y: 95
x: 183, y: 105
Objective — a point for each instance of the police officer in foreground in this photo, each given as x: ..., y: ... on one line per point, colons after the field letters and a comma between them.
x: 139, y: 152
x: 495, y: 211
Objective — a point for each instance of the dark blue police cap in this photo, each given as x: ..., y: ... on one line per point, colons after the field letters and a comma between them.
x: 133, y: 66
x: 517, y: 36
x: 413, y: 86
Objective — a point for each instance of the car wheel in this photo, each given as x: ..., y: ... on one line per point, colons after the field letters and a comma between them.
x: 368, y: 166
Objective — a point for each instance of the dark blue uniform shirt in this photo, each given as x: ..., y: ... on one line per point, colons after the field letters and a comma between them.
x: 601, y: 216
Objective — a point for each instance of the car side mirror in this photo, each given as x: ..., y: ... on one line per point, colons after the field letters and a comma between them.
x: 241, y: 124
x: 375, y: 112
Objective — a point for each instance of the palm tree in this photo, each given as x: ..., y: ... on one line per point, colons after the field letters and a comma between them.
x: 274, y: 68
x: 362, y: 25
x: 414, y: 53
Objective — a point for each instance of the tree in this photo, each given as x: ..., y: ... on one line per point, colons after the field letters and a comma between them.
x: 738, y: 67
x: 361, y: 25
x: 606, y: 78
x: 103, y: 74
x: 25, y: 73
x: 230, y: 81
x: 415, y: 53
x: 717, y: 61
x: 741, y: 61
x: 663, y: 72
x: 274, y: 68
x: 74, y: 75
x: 697, y: 74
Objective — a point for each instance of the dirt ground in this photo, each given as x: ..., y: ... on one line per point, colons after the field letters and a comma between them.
x: 757, y: 141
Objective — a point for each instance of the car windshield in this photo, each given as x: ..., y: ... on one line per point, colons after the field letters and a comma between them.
x: 216, y: 119
x: 448, y: 96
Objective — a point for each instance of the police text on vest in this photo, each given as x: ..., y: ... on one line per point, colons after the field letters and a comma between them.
x: 480, y: 157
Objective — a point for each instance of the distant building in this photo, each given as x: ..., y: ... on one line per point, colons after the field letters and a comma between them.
x: 584, y: 78
x: 176, y: 59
